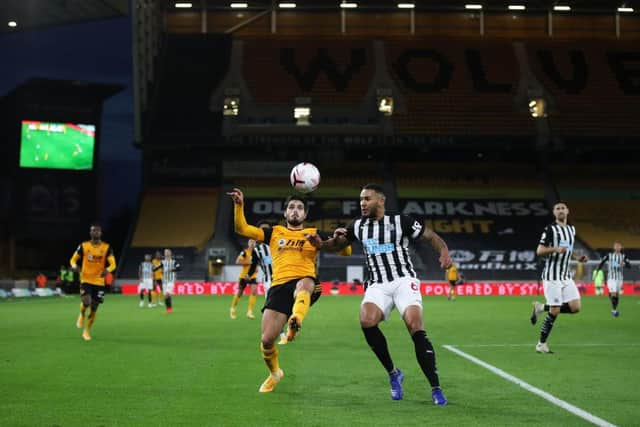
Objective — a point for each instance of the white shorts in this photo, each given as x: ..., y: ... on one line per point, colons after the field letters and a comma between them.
x: 614, y: 285
x: 167, y: 287
x: 146, y: 284
x: 558, y: 292
x: 400, y: 293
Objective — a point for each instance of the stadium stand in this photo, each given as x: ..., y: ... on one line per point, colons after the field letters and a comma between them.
x: 604, y: 201
x: 457, y: 87
x: 330, y: 71
x: 594, y: 86
x: 182, y: 219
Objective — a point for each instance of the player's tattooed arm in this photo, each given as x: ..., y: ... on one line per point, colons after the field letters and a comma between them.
x: 438, y: 245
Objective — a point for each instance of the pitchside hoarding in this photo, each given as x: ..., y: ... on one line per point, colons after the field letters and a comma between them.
x: 427, y: 288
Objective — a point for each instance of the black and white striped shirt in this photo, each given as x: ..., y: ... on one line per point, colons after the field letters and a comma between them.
x: 616, y: 260
x: 169, y: 268
x: 556, y: 266
x: 261, y: 256
x: 386, y: 245
x: 146, y: 270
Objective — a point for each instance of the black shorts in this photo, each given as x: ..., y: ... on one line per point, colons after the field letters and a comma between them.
x: 94, y: 291
x: 280, y: 297
x: 452, y: 282
x: 244, y: 282
x: 157, y: 285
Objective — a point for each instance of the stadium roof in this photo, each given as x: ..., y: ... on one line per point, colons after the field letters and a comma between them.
x: 33, y: 14
x: 594, y: 6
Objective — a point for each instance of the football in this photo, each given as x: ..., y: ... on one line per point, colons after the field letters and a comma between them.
x: 305, y: 177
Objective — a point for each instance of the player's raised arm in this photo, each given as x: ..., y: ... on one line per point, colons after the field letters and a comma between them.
x: 77, y: 254
x: 239, y: 221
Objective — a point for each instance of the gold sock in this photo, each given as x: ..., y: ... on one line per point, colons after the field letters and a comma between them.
x: 270, y: 356
x: 236, y: 298
x: 91, y: 319
x: 252, y: 302
x: 83, y: 308
x: 301, y: 305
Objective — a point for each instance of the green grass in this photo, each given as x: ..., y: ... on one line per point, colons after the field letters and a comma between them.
x: 197, y: 367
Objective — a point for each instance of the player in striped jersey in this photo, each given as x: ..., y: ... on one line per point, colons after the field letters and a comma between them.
x: 145, y: 275
x: 556, y: 245
x: 247, y: 277
x: 294, y: 276
x: 615, y: 260
x: 392, y: 281
x: 169, y: 268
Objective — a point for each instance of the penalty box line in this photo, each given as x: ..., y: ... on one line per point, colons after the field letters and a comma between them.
x: 541, y: 393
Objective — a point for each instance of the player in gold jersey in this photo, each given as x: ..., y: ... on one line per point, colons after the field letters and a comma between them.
x: 95, y: 255
x: 244, y: 259
x: 156, y: 293
x: 294, y: 276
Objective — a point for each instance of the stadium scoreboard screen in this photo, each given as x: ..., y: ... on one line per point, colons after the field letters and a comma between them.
x: 49, y: 145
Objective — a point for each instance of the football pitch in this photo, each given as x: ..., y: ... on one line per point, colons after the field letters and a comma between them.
x: 198, y: 367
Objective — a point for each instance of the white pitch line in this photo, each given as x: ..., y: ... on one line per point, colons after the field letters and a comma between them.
x: 549, y: 397
x: 555, y: 345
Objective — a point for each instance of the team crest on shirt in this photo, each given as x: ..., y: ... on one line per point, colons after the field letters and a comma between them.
x: 282, y: 242
x: 414, y: 286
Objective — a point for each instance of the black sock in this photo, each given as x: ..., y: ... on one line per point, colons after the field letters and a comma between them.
x: 149, y: 296
x: 378, y: 343
x: 614, y: 302
x: 167, y: 301
x: 141, y: 296
x: 547, y: 325
x: 564, y: 308
x: 426, y: 356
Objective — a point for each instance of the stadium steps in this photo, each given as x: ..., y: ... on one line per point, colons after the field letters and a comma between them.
x: 179, y: 218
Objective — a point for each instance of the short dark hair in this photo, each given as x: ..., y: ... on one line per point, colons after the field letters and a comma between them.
x: 95, y: 224
x: 375, y: 187
x: 296, y: 197
x: 558, y: 202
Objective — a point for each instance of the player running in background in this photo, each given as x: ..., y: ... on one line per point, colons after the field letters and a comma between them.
x: 97, y: 261
x: 156, y: 294
x: 169, y: 268
x: 246, y: 278
x: 294, y: 276
x: 452, y: 277
x: 556, y: 245
x: 615, y: 260
x: 145, y: 275
x: 392, y: 282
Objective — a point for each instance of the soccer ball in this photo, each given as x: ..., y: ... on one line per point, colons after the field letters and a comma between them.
x: 305, y: 177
